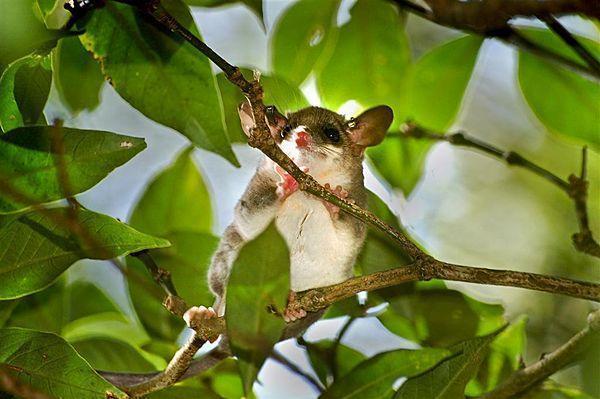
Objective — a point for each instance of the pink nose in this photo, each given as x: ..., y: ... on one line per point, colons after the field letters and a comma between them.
x: 302, y: 139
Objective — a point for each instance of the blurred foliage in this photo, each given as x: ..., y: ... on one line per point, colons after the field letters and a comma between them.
x: 466, y: 345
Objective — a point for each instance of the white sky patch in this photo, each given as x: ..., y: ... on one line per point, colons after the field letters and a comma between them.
x: 350, y: 108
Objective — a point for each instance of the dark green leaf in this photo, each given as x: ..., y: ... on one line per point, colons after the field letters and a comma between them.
x: 184, y: 392
x: 374, y: 43
x: 324, y: 357
x: 6, y: 310
x: 186, y: 220
x: 24, y: 270
x: 374, y: 378
x: 28, y: 164
x: 278, y: 92
x: 24, y: 88
x: 259, y: 279
x: 50, y: 365
x: 449, y: 378
x: 77, y: 76
x: 439, y: 80
x: 564, y: 101
x: 160, y: 75
x: 224, y: 379
x: 303, y: 34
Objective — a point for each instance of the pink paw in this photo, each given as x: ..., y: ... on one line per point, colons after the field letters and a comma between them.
x: 291, y: 312
x: 288, y: 184
x: 334, y: 210
x: 196, y: 314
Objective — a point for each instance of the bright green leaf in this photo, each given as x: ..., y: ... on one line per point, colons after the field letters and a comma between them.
x: 161, y: 213
x: 305, y: 32
x: 106, y: 325
x: 439, y: 80
x: 28, y: 164
x: 373, y: 42
x: 77, y: 76
x: 186, y: 220
x: 374, y: 378
x: 278, y: 92
x: 108, y: 354
x: 259, y: 279
x: 36, y: 248
x: 24, y: 88
x: 159, y: 74
x: 565, y: 102
x: 400, y: 162
x: 449, y: 378
x: 184, y: 392
x: 50, y: 365
x: 552, y: 390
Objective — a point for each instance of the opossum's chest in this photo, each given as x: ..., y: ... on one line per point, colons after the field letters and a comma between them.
x: 321, y: 248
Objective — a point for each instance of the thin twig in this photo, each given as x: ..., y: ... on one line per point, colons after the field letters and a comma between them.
x: 174, y: 371
x: 576, y: 187
x: 491, y: 19
x: 571, y: 41
x: 550, y: 363
x: 312, y: 381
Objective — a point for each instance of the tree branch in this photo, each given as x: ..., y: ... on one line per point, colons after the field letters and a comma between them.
x: 576, y: 187
x: 490, y: 18
x: 571, y: 41
x: 550, y: 363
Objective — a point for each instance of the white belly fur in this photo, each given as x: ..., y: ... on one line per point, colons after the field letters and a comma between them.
x: 321, y: 251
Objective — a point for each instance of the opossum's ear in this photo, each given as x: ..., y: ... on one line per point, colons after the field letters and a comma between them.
x: 370, y: 127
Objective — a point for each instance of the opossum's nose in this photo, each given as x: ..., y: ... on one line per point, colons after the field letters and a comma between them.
x: 302, y: 139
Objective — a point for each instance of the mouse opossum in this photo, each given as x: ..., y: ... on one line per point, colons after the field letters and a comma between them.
x: 323, y: 242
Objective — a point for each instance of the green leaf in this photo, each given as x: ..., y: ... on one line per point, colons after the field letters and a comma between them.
x: 259, y: 279
x: 37, y: 248
x: 51, y: 309
x: 303, y: 34
x: 323, y: 357
x: 224, y: 379
x: 439, y: 80
x: 159, y: 74
x: 449, y: 378
x: 161, y: 213
x: 379, y: 252
x: 22, y: 32
x: 77, y: 76
x: 49, y: 364
x: 181, y: 392
x: 439, y: 317
x: 108, y: 354
x: 278, y: 92
x: 28, y: 164
x: 6, y: 310
x: 504, y: 358
x: 552, y: 390
x: 107, y: 325
x: 374, y: 378
x: 186, y: 220
x: 373, y: 42
x: 564, y: 101
x: 24, y: 88
x: 400, y: 162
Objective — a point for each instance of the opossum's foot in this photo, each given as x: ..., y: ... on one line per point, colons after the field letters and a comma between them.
x: 292, y: 311
x: 196, y: 314
x: 334, y: 210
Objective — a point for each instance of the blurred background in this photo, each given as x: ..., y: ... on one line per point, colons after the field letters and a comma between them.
x: 466, y: 208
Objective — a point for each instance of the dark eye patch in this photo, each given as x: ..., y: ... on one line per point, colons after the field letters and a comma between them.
x: 331, y: 133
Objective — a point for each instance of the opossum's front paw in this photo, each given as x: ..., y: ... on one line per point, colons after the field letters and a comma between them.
x: 196, y: 314
x: 334, y: 210
x: 292, y: 311
x: 288, y: 185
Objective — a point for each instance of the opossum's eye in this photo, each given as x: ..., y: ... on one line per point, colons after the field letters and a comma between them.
x: 285, y: 131
x: 332, y: 134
